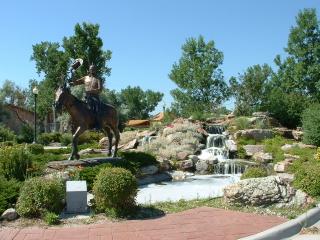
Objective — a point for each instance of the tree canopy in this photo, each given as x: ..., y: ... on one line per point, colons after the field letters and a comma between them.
x: 199, y: 79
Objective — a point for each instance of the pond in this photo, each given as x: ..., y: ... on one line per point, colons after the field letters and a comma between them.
x: 199, y: 186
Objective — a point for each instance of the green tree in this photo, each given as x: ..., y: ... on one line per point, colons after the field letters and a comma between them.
x: 10, y: 93
x: 53, y: 60
x: 139, y: 103
x: 251, y: 89
x: 297, y: 81
x: 199, y: 79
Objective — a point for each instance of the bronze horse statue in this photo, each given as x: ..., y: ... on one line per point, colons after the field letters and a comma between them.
x: 84, y: 119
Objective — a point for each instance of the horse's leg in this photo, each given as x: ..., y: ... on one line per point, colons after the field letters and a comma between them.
x: 117, y: 137
x: 75, y: 137
x: 107, y: 131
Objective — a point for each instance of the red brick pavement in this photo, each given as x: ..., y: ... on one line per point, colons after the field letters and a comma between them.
x: 200, y: 223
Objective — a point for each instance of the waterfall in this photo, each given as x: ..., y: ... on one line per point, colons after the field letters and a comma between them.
x: 215, y: 129
x: 217, y: 153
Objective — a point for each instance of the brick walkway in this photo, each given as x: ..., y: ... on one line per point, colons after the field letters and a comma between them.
x: 200, y: 223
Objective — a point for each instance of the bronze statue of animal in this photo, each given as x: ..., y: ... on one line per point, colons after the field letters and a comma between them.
x: 84, y: 119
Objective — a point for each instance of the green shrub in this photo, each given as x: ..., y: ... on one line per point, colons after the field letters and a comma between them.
x: 66, y: 139
x: 311, y: 125
x: 35, y: 149
x: 90, y: 137
x: 26, y: 134
x: 51, y: 218
x: 242, y: 123
x: 115, y: 190
x: 273, y: 146
x: 141, y: 158
x: 15, y: 162
x: 7, y: 144
x: 46, y: 138
x: 317, y: 157
x: 9, y: 192
x: 59, y: 151
x: 89, y: 174
x: 40, y: 195
x: 254, y: 172
x: 6, y: 134
x: 307, y: 178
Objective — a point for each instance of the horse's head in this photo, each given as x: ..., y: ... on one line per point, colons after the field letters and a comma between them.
x: 61, y: 95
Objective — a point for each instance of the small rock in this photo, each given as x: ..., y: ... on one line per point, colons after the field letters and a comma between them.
x: 182, y: 155
x: 131, y: 145
x: 286, y: 177
x: 149, y: 170
x: 104, y: 142
x: 252, y: 149
x: 186, y: 164
x: 260, y: 114
x: 281, y: 167
x: 89, y: 151
x: 263, y: 157
x: 194, y: 158
x: 287, y: 147
x: 297, y: 135
x: 9, y: 214
x: 201, y: 146
x: 178, y: 175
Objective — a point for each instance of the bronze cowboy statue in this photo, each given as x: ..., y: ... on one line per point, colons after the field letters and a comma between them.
x: 90, y: 115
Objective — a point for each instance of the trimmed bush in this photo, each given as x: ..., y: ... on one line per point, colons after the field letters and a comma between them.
x: 46, y: 138
x: 9, y: 192
x: 40, y: 195
x: 15, y: 162
x: 66, y: 139
x: 6, y: 134
x: 89, y: 174
x: 254, y: 172
x: 35, y: 149
x: 115, y: 190
x: 26, y: 134
x: 90, y: 137
x: 311, y: 125
x: 307, y: 178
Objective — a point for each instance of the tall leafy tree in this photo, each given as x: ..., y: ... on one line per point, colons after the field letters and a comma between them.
x: 53, y: 60
x: 297, y: 81
x: 251, y: 89
x: 199, y: 79
x: 138, y: 103
x: 10, y: 93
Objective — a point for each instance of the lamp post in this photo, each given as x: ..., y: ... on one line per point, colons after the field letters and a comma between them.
x: 35, y: 92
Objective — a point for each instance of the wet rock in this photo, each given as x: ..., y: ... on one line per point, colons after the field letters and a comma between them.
x: 252, y: 149
x: 186, y: 164
x: 262, y: 157
x: 256, y: 134
x: 9, y: 214
x: 178, y: 175
x: 160, y: 177
x: 202, y: 167
x: 194, y: 158
x: 149, y: 170
x: 231, y: 145
x: 201, y: 146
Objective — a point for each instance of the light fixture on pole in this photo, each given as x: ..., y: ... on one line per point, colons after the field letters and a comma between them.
x: 35, y: 92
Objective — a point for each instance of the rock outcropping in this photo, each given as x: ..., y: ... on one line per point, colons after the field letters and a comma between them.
x: 264, y: 191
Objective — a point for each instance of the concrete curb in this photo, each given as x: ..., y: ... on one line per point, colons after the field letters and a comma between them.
x: 290, y: 228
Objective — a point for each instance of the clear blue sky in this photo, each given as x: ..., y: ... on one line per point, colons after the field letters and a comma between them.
x: 146, y: 36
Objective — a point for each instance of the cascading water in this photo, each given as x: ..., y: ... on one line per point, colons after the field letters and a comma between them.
x: 217, y: 153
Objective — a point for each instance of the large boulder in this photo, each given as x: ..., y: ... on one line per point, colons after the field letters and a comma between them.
x: 202, y: 167
x: 231, y: 145
x: 284, y: 132
x: 262, y: 192
x: 256, y: 134
x: 149, y: 170
x: 186, y: 164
